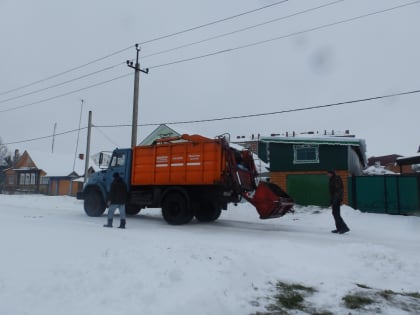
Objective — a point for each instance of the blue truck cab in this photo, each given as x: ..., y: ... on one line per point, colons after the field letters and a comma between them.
x: 97, y: 187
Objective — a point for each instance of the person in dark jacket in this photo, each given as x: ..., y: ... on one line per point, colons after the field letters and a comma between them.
x: 117, y: 199
x: 335, y: 186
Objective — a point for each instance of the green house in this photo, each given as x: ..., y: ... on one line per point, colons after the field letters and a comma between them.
x: 299, y: 164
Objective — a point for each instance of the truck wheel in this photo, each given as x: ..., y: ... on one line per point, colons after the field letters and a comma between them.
x: 175, y: 209
x: 207, y: 212
x: 94, y: 204
x: 132, y: 209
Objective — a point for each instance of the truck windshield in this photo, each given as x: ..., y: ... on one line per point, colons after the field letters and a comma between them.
x: 118, y: 159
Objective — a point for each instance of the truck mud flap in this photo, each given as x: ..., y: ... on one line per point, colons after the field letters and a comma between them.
x: 80, y: 195
x: 270, y: 201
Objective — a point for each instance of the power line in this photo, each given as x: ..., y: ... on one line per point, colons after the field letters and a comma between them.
x: 62, y: 83
x: 224, y: 51
x: 214, y: 22
x: 373, y: 98
x: 105, y: 136
x: 46, y: 137
x: 285, y: 36
x: 64, y: 94
x: 360, y: 100
x: 66, y: 71
x: 142, y: 43
x: 242, y: 29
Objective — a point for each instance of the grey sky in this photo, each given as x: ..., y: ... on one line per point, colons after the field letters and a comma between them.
x: 369, y: 57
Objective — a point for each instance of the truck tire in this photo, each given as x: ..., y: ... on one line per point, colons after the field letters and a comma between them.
x: 175, y: 209
x: 132, y: 209
x: 207, y: 212
x: 94, y: 204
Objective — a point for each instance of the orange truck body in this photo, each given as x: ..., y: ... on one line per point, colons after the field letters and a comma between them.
x: 199, y: 161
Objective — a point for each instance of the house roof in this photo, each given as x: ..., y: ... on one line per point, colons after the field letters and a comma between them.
x: 409, y: 160
x: 161, y: 131
x: 55, y: 164
x: 316, y: 140
x: 384, y: 160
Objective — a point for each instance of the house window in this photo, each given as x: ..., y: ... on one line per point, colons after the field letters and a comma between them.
x: 27, y: 179
x: 44, y: 180
x: 306, y: 153
x: 33, y: 179
x: 22, y: 179
x: 11, y: 179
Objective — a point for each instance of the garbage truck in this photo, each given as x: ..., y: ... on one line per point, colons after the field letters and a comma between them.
x: 186, y: 176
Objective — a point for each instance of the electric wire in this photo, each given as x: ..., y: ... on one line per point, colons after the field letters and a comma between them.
x: 46, y: 137
x: 64, y: 94
x: 175, y: 48
x: 354, y: 101
x: 284, y: 36
x: 66, y: 71
x: 242, y: 29
x: 214, y: 22
x: 104, y: 135
x: 62, y: 83
x: 169, y: 50
x: 288, y: 110
x: 142, y: 43
x: 222, y: 51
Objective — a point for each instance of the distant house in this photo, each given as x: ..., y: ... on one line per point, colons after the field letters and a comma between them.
x: 389, y: 162
x: 24, y: 177
x: 409, y: 164
x: 299, y: 164
x: 46, y: 173
x: 162, y: 131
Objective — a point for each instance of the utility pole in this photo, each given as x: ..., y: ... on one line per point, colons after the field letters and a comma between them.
x: 137, y: 70
x: 88, y: 146
x: 78, y: 134
x: 53, y: 139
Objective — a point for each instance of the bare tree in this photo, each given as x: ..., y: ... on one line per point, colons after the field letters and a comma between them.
x: 4, y: 153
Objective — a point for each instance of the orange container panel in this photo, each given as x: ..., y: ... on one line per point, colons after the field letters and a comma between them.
x: 182, y: 163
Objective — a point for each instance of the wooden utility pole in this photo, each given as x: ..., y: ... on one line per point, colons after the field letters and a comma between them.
x: 78, y: 135
x: 53, y: 139
x: 137, y: 70
x: 88, y: 146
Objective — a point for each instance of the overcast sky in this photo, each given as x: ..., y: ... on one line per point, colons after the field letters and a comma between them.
x: 363, y: 58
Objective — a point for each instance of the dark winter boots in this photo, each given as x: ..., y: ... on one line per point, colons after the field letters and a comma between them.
x: 109, y: 224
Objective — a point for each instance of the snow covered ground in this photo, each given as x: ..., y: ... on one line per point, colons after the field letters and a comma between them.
x: 56, y: 260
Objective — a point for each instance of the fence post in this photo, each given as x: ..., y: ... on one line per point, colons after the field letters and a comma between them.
x: 398, y: 195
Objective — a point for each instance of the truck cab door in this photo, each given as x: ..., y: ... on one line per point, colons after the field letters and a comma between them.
x: 119, y: 164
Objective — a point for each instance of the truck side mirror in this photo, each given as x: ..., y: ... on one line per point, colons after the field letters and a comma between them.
x: 101, y: 158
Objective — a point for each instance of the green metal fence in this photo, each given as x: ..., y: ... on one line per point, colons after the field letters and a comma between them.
x: 393, y: 194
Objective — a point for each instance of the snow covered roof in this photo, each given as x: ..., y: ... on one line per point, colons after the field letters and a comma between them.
x: 55, y: 164
x: 316, y: 140
x: 377, y: 170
